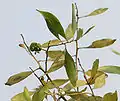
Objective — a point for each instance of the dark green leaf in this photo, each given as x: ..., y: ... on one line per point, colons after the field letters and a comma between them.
x: 20, y: 97
x: 70, y: 68
x: 110, y: 69
x: 51, y: 43
x: 17, y: 78
x: 26, y: 94
x: 102, y: 43
x: 98, y: 11
x: 40, y: 94
x: 56, y: 83
x: 53, y: 24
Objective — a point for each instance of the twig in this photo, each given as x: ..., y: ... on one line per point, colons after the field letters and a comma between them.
x: 46, y: 60
x: 36, y: 76
x: 86, y: 77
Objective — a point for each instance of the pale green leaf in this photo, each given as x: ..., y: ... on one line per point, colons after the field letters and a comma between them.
x: 40, y: 94
x: 53, y: 24
x: 110, y: 69
x: 74, y: 24
x: 56, y: 83
x: 69, y: 32
x: 55, y: 66
x: 99, y: 81
x: 79, y: 33
x: 51, y: 43
x: 70, y: 68
x: 98, y: 11
x: 114, y: 51
x: 69, y: 86
x: 26, y: 94
x: 102, y: 43
x: 17, y: 78
x: 20, y: 97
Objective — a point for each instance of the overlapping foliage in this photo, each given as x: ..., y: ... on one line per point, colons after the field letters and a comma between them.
x: 71, y: 88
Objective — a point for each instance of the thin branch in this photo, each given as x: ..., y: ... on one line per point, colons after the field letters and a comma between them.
x: 36, y: 75
x: 46, y: 60
x: 86, y: 77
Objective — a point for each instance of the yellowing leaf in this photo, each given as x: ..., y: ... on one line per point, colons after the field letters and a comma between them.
x: 55, y: 66
x: 110, y: 69
x: 56, y: 83
x: 51, y: 43
x: 53, y: 24
x: 20, y: 97
x: 40, y: 94
x: 69, y: 32
x: 102, y: 43
x: 98, y: 11
x: 17, y: 78
x: 70, y: 68
x: 110, y: 97
x: 26, y: 94
x: 100, y: 81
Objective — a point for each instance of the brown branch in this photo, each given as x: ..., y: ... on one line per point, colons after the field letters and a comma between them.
x: 86, y: 77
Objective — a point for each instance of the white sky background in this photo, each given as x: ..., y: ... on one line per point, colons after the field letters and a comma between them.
x: 20, y: 16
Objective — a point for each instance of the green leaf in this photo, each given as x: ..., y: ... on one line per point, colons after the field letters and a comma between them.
x: 69, y: 32
x: 51, y: 43
x: 94, y: 68
x: 110, y: 97
x: 89, y: 30
x: 98, y: 11
x: 70, y: 68
x: 110, y: 69
x: 17, y: 78
x: 55, y: 66
x: 79, y: 33
x: 40, y: 94
x: 95, y: 98
x: 114, y: 51
x: 57, y: 83
x: 102, y: 43
x: 100, y: 81
x: 53, y: 24
x: 74, y: 24
x: 69, y: 86
x: 56, y: 54
x: 26, y: 94
x: 20, y: 97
